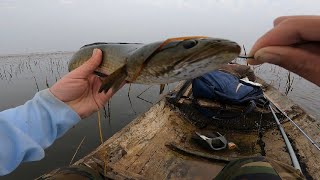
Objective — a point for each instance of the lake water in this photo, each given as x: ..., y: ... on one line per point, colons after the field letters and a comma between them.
x: 21, y: 76
x: 65, y: 25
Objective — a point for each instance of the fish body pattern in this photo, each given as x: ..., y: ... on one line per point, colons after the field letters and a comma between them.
x: 160, y: 62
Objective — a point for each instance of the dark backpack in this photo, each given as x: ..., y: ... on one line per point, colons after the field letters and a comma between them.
x: 227, y: 89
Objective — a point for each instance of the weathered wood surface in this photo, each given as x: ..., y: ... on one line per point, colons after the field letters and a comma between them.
x: 139, y: 151
x: 140, y: 148
x: 146, y: 155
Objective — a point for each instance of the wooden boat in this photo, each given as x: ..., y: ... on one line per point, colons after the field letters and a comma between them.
x: 158, y: 144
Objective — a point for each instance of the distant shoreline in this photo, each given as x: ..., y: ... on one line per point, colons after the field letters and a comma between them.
x: 36, y: 53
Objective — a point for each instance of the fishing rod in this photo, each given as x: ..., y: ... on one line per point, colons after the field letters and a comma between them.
x: 293, y: 156
x: 285, y: 114
x: 304, y: 133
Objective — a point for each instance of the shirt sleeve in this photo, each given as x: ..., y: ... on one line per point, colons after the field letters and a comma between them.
x: 25, y: 131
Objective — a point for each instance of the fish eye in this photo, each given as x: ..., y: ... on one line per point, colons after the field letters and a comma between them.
x: 189, y: 44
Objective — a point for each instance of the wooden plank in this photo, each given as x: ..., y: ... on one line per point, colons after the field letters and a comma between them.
x: 138, y: 151
x: 155, y: 160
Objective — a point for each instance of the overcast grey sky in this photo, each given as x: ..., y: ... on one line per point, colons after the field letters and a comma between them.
x: 65, y: 25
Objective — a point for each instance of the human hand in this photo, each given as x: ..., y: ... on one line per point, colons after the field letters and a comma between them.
x: 294, y: 44
x: 79, y: 88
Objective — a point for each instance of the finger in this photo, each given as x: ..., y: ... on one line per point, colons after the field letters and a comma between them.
x: 313, y: 48
x: 289, y: 32
x: 89, y: 66
x: 278, y: 20
x: 297, y: 60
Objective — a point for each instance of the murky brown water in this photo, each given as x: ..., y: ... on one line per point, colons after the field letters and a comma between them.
x: 22, y: 76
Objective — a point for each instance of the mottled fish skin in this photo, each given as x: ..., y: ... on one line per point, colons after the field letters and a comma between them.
x: 115, y: 55
x: 177, y: 60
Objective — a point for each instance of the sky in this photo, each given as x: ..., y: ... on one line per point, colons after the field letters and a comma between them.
x: 66, y: 25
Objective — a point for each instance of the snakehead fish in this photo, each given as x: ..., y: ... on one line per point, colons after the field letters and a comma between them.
x: 162, y: 62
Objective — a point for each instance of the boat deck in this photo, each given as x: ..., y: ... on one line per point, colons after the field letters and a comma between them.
x: 159, y: 145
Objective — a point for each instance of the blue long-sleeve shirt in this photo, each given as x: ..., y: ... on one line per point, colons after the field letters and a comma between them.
x: 25, y: 131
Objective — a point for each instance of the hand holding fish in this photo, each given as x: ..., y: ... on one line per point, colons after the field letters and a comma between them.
x: 294, y: 44
x: 79, y: 88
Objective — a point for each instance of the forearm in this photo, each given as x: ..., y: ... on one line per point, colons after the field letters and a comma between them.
x: 25, y: 131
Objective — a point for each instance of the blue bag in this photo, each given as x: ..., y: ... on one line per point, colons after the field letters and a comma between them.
x: 227, y: 89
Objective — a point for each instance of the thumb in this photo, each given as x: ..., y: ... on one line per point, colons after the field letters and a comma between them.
x: 297, y: 60
x: 90, y: 65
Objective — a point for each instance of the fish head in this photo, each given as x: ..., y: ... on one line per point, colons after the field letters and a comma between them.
x: 188, y: 58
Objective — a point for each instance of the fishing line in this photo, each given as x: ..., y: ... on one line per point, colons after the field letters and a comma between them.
x: 305, y: 134
x: 99, y: 124
x: 130, y: 99
x: 74, y: 155
x: 246, y: 57
x: 245, y: 54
